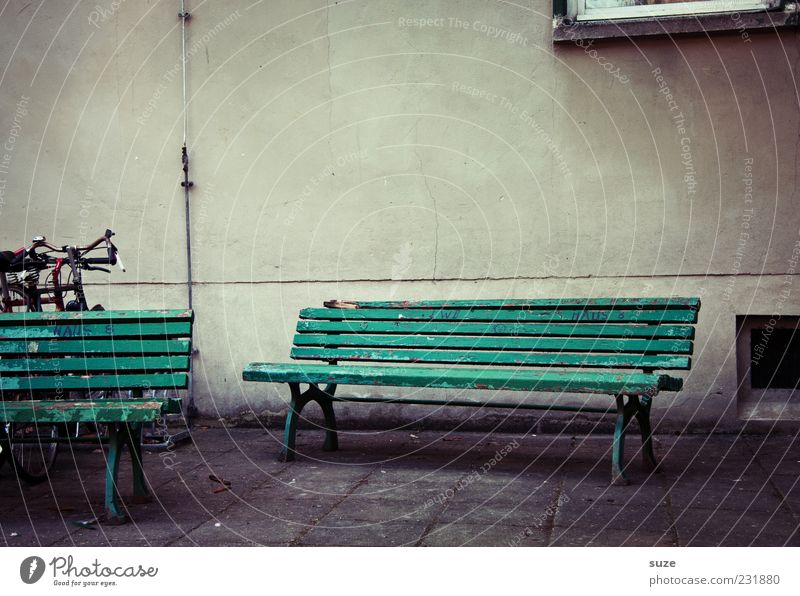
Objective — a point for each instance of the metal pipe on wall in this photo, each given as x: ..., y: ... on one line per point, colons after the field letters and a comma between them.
x: 191, y: 410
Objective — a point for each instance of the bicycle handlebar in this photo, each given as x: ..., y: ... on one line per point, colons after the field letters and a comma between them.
x: 104, y: 238
x: 111, y: 259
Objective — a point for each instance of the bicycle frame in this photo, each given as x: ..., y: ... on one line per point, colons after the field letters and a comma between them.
x: 34, y: 296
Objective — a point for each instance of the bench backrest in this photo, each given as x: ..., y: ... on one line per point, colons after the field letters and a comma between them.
x: 624, y: 333
x: 110, y: 349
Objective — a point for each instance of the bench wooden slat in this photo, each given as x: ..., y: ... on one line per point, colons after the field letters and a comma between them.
x: 511, y: 405
x: 97, y: 346
x: 95, y: 316
x: 499, y: 358
x: 500, y: 329
x: 127, y: 364
x: 110, y: 410
x: 542, y: 303
x: 542, y: 344
x: 95, y: 382
x: 465, y: 378
x: 105, y: 330
x: 493, y: 315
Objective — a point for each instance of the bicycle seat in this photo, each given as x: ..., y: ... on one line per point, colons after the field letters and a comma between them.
x: 6, y: 258
x: 16, y: 263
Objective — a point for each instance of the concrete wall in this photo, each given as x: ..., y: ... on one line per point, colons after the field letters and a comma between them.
x: 371, y: 149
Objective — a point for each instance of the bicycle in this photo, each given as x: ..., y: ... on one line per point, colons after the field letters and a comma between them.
x: 20, y: 273
x: 32, y: 448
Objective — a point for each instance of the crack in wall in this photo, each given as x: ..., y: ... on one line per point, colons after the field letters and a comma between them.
x: 255, y: 282
x: 432, y: 197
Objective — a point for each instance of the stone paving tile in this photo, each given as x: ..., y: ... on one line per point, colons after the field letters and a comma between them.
x: 175, y: 510
x: 788, y: 487
x: 776, y: 528
x: 772, y: 445
x: 579, y: 536
x: 470, y: 534
x: 649, y: 492
x: 701, y: 527
x: 215, y: 440
x: 33, y: 528
x: 70, y: 496
x: 432, y: 488
x: 67, y: 480
x: 247, y: 525
x: 323, y: 479
x: 575, y: 537
x: 730, y: 498
x: 484, y: 514
x: 359, y: 508
x: 130, y: 534
x: 223, y: 543
x: 609, y: 516
x: 397, y: 533
x: 386, y: 480
x: 500, y: 507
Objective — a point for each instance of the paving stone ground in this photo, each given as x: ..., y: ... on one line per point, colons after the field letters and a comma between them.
x: 423, y: 489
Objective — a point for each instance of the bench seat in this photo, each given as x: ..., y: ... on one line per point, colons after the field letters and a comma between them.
x: 466, y: 378
x: 103, y: 411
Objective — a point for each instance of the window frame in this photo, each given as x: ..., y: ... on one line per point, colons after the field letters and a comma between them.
x: 577, y: 10
x: 566, y: 29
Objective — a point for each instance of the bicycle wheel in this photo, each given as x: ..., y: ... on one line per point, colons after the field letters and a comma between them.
x: 31, y: 450
x: 19, y: 301
x: 87, y: 430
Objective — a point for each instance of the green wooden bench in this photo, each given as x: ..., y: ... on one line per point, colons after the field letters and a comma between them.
x: 49, y: 358
x: 608, y: 346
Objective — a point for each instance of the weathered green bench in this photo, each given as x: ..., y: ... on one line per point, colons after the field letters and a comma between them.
x: 554, y: 346
x: 47, y: 358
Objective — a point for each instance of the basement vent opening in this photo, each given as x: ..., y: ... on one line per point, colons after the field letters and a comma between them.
x: 768, y: 367
x: 777, y: 364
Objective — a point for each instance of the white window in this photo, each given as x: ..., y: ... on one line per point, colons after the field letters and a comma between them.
x: 594, y: 10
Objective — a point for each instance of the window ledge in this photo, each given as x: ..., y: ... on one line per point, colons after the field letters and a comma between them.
x: 743, y: 23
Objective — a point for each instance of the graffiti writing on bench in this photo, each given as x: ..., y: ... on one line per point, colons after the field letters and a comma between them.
x: 591, y: 315
x: 446, y: 314
x: 568, y: 315
x: 77, y: 330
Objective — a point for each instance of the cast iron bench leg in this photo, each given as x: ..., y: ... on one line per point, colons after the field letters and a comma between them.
x: 643, y: 418
x: 133, y: 434
x: 299, y: 401
x: 624, y: 414
x: 116, y: 441
x: 326, y: 403
x: 122, y: 434
x: 292, y: 416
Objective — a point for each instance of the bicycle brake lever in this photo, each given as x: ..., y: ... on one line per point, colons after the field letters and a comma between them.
x: 119, y: 263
